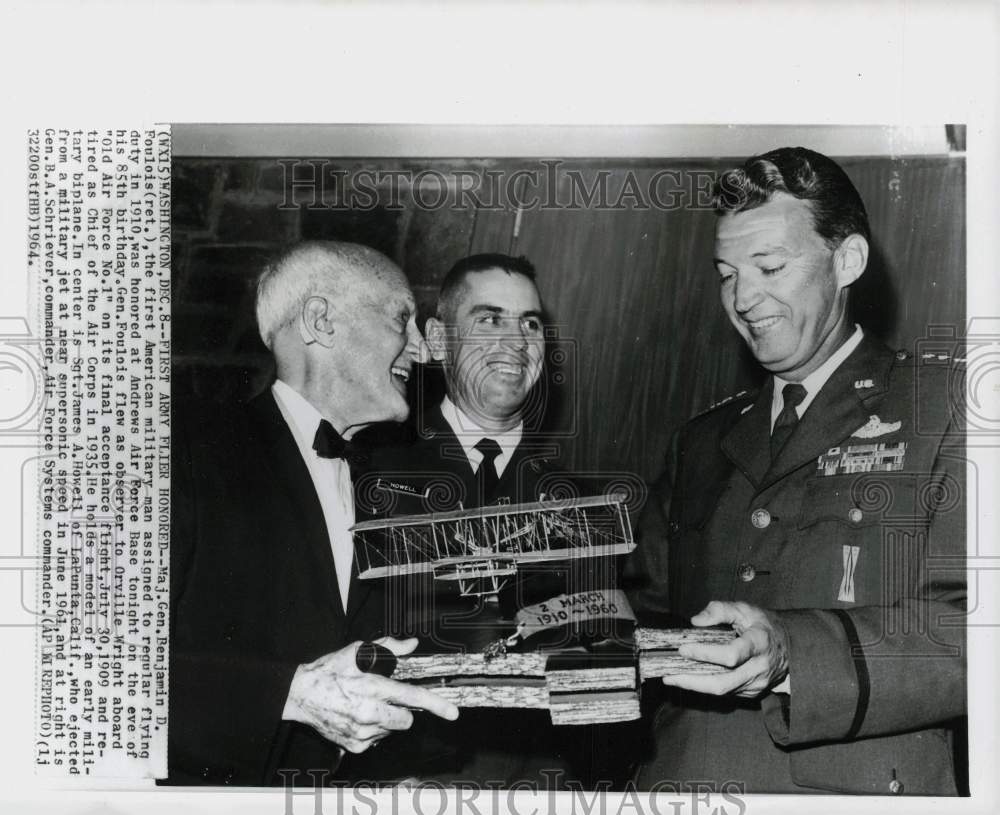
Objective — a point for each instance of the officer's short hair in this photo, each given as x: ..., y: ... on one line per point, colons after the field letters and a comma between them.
x: 454, y: 282
x: 837, y: 208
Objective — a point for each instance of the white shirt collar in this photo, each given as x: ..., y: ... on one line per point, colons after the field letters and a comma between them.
x: 469, y: 433
x: 299, y: 412
x: 817, y: 379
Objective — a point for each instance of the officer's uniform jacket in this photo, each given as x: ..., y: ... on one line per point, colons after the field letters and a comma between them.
x: 433, y: 474
x: 855, y: 535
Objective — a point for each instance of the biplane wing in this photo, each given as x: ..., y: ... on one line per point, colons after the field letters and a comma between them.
x: 487, y: 544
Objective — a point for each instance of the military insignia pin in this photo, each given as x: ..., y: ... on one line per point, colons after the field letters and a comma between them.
x: 850, y: 557
x: 875, y: 427
x: 863, y: 383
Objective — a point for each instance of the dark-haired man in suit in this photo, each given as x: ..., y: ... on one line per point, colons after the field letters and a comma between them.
x: 266, y: 614
x: 823, y: 517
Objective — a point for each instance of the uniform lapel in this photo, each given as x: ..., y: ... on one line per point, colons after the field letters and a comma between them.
x: 290, y: 474
x: 747, y: 444
x: 521, y: 476
x: 446, y: 453
x: 837, y: 411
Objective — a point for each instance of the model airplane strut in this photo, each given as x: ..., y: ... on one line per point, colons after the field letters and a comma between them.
x: 482, y: 548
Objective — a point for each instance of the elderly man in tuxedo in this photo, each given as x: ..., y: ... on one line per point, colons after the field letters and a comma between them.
x: 267, y: 615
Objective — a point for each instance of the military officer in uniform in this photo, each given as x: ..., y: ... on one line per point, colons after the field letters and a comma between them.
x: 473, y: 448
x: 476, y: 449
x: 821, y: 517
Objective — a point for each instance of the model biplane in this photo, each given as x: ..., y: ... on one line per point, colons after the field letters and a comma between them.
x: 481, y: 548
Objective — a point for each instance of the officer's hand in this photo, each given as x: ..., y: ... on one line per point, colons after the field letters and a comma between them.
x: 355, y: 709
x: 758, y: 657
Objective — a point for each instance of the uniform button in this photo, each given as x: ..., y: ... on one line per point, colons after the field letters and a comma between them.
x: 896, y: 787
x: 746, y: 572
x: 855, y: 515
x: 760, y: 518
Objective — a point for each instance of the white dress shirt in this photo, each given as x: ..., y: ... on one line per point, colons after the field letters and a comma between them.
x: 469, y: 433
x: 817, y: 379
x: 330, y: 476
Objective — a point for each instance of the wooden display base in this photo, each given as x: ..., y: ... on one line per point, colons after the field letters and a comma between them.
x: 576, y: 686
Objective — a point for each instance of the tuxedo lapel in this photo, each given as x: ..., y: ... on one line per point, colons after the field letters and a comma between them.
x: 357, y: 594
x: 837, y: 410
x: 289, y: 474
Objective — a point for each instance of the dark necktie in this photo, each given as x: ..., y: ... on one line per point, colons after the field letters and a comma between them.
x: 784, y: 425
x: 328, y: 443
x: 486, y: 476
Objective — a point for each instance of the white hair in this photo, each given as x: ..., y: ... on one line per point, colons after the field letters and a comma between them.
x: 329, y: 268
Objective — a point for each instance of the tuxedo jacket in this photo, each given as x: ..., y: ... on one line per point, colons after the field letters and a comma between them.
x: 855, y: 536
x: 254, y: 594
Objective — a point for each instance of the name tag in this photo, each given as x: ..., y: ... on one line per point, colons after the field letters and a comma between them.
x: 862, y: 458
x: 403, y: 489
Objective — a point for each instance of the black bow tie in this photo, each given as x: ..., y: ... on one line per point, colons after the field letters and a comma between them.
x: 328, y: 443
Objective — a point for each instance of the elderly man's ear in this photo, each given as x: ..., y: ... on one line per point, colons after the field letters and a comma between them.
x: 317, y: 324
x: 437, y: 339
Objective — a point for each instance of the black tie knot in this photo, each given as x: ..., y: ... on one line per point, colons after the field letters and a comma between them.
x: 793, y: 394
x: 489, y: 448
x: 328, y: 443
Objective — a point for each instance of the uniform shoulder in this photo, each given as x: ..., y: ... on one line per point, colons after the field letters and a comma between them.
x: 932, y: 368
x: 930, y: 358
x: 933, y: 380
x: 736, y: 403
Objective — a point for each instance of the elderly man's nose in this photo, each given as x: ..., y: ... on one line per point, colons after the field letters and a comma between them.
x: 416, y: 346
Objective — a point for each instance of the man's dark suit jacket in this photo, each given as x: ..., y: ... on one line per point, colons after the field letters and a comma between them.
x: 253, y: 595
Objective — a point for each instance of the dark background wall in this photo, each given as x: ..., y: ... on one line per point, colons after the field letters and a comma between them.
x: 639, y: 341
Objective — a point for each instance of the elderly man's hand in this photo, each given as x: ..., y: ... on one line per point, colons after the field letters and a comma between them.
x: 353, y: 709
x: 758, y: 658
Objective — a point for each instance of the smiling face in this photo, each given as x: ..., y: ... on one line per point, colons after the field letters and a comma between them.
x: 379, y: 342
x: 493, y: 350
x: 782, y: 287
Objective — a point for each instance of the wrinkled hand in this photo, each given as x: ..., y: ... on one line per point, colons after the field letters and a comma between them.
x: 758, y: 657
x: 355, y: 709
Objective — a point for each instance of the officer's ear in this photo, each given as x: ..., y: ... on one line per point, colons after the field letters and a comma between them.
x: 437, y: 339
x: 317, y: 324
x: 850, y: 259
